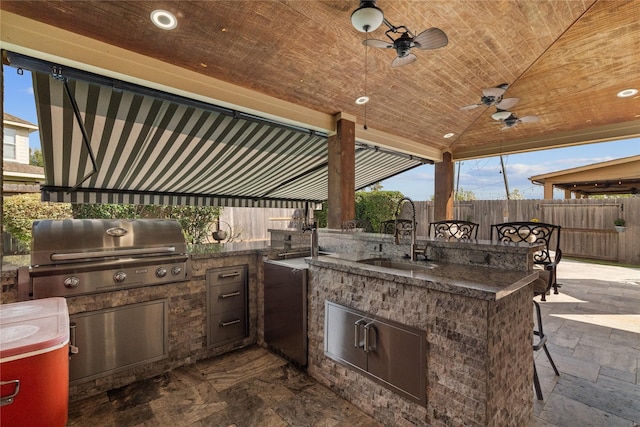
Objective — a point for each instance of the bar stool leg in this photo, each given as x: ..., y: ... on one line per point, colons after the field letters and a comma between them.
x: 542, y: 343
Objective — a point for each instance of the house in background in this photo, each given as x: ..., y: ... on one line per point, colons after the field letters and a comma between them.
x: 18, y: 176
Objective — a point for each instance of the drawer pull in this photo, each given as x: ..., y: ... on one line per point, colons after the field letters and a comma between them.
x: 229, y: 295
x: 226, y: 276
x: 7, y: 400
x: 232, y: 322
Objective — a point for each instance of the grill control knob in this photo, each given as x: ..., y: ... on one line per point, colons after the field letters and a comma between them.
x: 120, y: 277
x: 161, y: 272
x: 176, y: 270
x: 71, y: 282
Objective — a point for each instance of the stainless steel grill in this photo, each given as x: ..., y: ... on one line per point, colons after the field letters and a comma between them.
x: 83, y: 256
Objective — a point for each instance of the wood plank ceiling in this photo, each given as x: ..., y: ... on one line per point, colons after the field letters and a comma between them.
x: 564, y: 59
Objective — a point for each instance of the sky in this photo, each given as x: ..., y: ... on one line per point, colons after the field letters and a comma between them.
x: 483, y: 177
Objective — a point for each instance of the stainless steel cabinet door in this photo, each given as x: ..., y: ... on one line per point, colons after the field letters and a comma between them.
x: 117, y: 338
x: 343, y: 335
x: 396, y: 356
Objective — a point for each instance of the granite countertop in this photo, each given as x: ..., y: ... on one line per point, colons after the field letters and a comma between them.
x: 227, y: 249
x: 468, y: 280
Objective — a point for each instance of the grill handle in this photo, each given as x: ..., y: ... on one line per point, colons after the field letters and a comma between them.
x: 102, y: 254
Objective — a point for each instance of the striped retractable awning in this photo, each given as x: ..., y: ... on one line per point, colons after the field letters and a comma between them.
x: 147, y: 149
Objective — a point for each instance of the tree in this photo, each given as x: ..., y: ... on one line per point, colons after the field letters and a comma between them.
x: 515, y: 194
x: 463, y: 195
x: 35, y: 157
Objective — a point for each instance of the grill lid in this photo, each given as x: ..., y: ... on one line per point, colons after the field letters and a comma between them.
x: 80, y: 240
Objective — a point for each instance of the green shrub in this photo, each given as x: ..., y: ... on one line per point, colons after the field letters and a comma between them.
x: 377, y: 206
x: 194, y: 220
x: 22, y: 209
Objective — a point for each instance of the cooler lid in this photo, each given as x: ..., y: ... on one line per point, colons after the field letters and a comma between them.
x: 33, y: 326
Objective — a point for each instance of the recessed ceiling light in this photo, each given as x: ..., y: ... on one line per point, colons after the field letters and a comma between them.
x: 627, y: 93
x: 362, y: 100
x: 448, y: 135
x: 163, y: 19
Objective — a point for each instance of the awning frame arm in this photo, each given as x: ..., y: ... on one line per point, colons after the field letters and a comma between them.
x: 56, y: 72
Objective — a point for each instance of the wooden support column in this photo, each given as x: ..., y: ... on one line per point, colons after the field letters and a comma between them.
x: 548, y: 190
x: 443, y: 203
x: 567, y: 194
x: 342, y: 174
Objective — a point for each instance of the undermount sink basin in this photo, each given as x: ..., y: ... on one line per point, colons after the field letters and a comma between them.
x: 397, y: 264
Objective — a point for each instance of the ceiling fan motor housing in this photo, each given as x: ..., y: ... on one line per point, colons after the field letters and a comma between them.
x: 403, y: 45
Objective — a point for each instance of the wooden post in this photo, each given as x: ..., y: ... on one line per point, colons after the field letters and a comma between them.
x: 548, y: 190
x: 443, y: 203
x: 342, y: 174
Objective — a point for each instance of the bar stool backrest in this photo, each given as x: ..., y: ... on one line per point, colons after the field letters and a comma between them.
x: 457, y: 230
x: 531, y: 232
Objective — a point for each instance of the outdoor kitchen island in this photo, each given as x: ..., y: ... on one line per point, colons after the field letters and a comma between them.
x: 478, y: 361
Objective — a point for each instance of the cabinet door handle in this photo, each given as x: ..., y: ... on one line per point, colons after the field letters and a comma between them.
x: 356, y: 333
x: 73, y: 349
x: 229, y: 295
x: 226, y: 276
x: 7, y: 400
x: 232, y: 322
x: 367, y: 338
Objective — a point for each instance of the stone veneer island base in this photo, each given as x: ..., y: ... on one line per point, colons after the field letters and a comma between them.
x: 478, y: 323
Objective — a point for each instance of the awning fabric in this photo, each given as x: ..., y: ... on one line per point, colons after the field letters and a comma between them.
x: 150, y: 150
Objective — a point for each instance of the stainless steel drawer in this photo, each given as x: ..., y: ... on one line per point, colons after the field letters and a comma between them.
x: 228, y: 326
x: 223, y: 298
x: 226, y: 275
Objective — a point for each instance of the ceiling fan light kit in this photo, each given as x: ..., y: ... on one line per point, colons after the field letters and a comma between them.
x: 501, y: 115
x: 367, y: 17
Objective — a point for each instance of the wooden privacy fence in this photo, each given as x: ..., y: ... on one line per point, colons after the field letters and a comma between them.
x: 587, y: 224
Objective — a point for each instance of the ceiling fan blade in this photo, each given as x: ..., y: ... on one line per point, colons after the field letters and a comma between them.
x: 377, y: 43
x: 403, y: 60
x: 493, y: 91
x: 507, y: 103
x: 431, y: 38
x: 470, y: 107
x: 529, y: 119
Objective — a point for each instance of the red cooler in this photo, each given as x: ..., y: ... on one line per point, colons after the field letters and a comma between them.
x: 34, y: 363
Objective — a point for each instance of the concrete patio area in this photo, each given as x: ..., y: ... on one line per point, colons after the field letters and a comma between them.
x: 593, y: 328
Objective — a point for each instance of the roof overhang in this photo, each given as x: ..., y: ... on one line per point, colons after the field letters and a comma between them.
x: 619, y: 176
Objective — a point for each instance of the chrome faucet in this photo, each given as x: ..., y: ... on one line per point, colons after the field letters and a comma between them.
x: 413, y: 227
x: 313, y: 227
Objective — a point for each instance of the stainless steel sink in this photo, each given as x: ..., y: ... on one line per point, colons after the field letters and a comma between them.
x: 397, y: 264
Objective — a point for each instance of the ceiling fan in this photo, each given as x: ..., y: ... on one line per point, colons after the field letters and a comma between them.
x: 494, y: 96
x: 368, y: 17
x: 432, y: 38
x: 513, y: 120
